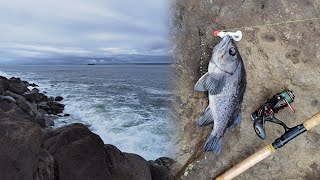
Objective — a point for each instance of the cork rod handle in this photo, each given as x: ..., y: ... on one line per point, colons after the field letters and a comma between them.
x: 247, y: 163
x: 312, y: 121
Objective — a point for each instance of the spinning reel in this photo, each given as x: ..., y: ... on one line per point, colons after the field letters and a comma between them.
x: 266, y: 112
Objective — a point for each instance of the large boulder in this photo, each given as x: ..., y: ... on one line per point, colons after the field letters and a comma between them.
x: 28, y: 108
x: 7, y: 108
x: 4, y: 84
x: 161, y: 169
x: 77, y: 152
x: 8, y: 99
x: 55, y: 107
x: 45, y: 170
x: 20, y: 142
x: 125, y: 166
x: 17, y: 86
x: 34, y: 96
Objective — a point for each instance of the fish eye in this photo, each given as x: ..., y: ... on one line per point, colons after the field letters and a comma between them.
x: 232, y: 51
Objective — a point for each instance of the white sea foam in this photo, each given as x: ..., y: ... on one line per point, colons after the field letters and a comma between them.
x: 4, y: 74
x: 156, y: 91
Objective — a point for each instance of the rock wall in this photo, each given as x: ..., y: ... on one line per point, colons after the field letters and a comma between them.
x: 275, y: 56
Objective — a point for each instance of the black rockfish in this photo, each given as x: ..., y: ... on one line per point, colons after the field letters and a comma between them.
x: 225, y: 82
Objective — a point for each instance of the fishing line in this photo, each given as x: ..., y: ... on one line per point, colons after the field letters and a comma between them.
x: 250, y: 27
x: 273, y: 24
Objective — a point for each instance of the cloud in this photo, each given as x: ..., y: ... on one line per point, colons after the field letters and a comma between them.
x: 37, y: 28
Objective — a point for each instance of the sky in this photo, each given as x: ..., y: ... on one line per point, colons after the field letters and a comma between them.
x: 37, y: 29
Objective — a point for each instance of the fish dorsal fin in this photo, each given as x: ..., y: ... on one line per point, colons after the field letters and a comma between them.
x: 213, y: 83
x: 206, y: 118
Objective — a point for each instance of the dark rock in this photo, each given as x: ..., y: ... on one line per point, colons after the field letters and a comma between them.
x: 28, y: 108
x: 35, y: 90
x: 42, y: 112
x: 8, y: 99
x: 39, y: 119
x: 20, y: 142
x: 50, y: 99
x: 55, y: 107
x: 33, y: 96
x: 66, y: 115
x: 33, y: 85
x: 11, y: 109
x: 50, y: 120
x: 124, y: 166
x: 58, y: 98
x: 45, y: 169
x: 77, y: 152
x: 17, y: 86
x: 164, y: 161
x: 44, y: 106
x: 4, y: 84
x: 160, y: 169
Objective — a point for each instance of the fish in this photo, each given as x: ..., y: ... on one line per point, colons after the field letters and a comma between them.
x: 225, y: 82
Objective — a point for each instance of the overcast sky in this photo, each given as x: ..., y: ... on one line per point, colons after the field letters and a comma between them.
x: 50, y: 28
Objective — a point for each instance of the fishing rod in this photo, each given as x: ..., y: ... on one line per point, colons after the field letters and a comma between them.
x: 266, y: 113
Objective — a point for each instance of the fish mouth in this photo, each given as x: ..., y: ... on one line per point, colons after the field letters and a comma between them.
x: 224, y: 43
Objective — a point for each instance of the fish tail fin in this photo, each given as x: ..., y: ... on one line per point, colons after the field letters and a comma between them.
x: 213, y: 144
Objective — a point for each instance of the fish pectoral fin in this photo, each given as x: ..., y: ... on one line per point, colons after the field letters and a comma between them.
x: 213, y: 83
x: 213, y: 144
x: 206, y: 118
x: 236, y: 121
x: 201, y: 84
x: 216, y: 84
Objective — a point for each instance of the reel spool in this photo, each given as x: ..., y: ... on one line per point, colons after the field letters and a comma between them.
x: 267, y: 111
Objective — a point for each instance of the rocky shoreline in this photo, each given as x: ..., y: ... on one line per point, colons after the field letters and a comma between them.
x: 32, y: 149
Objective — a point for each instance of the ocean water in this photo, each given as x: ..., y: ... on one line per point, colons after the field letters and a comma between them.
x: 126, y: 105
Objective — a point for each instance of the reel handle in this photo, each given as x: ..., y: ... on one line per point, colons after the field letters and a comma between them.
x: 263, y: 153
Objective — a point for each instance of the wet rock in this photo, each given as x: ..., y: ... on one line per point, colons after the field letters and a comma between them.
x: 56, y: 109
x: 4, y: 84
x: 44, y: 106
x: 20, y: 142
x: 45, y: 170
x: 17, y: 86
x: 33, y: 85
x: 160, y: 169
x: 35, y: 90
x: 8, y: 99
x: 11, y: 109
x: 124, y: 166
x: 58, y: 98
x: 28, y: 108
x: 77, y: 152
x: 49, y: 120
x: 34, y: 96
x: 42, y: 112
x: 50, y: 99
